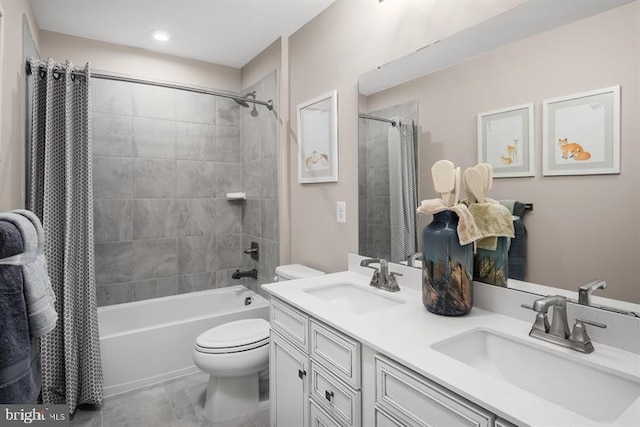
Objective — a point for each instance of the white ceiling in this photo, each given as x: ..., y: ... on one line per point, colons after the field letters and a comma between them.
x: 227, y: 32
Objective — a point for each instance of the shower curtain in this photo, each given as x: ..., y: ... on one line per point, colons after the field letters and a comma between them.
x: 61, y: 194
x: 402, y: 190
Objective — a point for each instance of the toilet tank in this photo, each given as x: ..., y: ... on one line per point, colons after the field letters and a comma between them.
x: 295, y: 271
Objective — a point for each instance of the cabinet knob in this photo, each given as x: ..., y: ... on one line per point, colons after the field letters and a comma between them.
x: 301, y: 373
x: 328, y: 395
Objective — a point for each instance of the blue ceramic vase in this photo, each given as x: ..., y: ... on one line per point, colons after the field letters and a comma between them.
x: 447, y: 269
x: 492, y: 266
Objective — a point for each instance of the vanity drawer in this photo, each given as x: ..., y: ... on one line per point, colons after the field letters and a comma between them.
x: 319, y: 418
x: 417, y: 401
x: 337, y: 352
x: 336, y: 398
x: 290, y: 323
x: 383, y: 419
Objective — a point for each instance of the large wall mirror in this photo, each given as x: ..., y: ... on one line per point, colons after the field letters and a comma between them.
x: 582, y: 227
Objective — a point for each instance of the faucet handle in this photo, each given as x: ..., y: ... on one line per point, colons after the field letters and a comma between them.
x: 579, y: 334
x: 592, y: 323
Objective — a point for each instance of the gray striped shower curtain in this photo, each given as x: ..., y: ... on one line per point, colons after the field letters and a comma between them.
x: 61, y: 194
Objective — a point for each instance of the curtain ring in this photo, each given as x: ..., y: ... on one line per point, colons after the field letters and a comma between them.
x: 56, y: 75
x: 42, y: 73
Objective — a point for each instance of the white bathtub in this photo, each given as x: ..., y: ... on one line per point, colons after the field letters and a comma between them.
x: 150, y: 341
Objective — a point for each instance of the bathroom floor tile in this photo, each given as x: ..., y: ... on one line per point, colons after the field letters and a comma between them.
x: 147, y: 407
x: 174, y: 403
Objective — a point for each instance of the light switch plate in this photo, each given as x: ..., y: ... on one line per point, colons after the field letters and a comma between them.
x: 341, y: 212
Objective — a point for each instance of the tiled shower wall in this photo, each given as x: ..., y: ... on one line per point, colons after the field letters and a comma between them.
x: 259, y: 135
x: 374, y: 222
x: 164, y: 160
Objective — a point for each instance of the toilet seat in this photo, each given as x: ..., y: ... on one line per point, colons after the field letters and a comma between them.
x: 234, y: 337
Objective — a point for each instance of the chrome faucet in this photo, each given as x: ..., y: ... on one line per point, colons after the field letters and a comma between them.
x: 585, y: 291
x: 382, y: 277
x: 558, y: 332
x: 411, y: 259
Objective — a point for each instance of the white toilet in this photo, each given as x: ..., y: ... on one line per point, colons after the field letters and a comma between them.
x: 234, y: 353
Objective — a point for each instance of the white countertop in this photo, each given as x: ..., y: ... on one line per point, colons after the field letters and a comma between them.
x: 406, y: 333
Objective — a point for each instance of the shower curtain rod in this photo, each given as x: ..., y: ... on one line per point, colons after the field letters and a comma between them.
x: 98, y: 75
x: 393, y: 123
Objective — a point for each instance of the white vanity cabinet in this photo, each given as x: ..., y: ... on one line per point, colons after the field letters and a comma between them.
x: 315, y: 372
x: 321, y: 377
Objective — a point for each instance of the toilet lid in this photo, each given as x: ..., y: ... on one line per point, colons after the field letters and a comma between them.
x: 239, y: 335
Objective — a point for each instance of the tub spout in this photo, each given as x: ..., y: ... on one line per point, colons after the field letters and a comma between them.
x: 240, y: 274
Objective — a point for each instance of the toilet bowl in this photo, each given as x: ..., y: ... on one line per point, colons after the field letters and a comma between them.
x: 233, y: 354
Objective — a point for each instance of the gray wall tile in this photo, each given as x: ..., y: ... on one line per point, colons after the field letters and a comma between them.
x: 270, y: 178
x: 154, y: 258
x: 252, y: 134
x: 223, y: 278
x: 228, y: 179
x: 112, y: 220
x: 154, y: 218
x: 195, y: 178
x: 196, y: 254
x: 229, y: 251
x: 252, y: 218
x: 154, y: 102
x: 114, y: 294
x: 195, y: 107
x: 155, y: 288
x: 196, y: 282
x: 195, y: 141
x: 270, y: 142
x: 154, y: 178
x: 108, y: 96
x: 227, y: 112
x: 228, y: 147
x: 228, y: 217
x: 252, y: 178
x: 270, y: 219
x: 196, y: 217
x: 113, y: 262
x: 154, y: 138
x: 112, y: 178
x: 189, y: 150
x: 111, y: 135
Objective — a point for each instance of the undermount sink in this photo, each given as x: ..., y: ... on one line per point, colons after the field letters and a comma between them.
x: 591, y: 392
x: 353, y: 298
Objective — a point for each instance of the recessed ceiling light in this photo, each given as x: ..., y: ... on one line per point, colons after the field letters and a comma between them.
x: 161, y: 36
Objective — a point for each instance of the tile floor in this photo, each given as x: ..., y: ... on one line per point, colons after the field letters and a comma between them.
x: 175, y: 403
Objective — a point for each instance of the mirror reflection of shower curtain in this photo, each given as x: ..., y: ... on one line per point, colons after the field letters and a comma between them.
x: 402, y: 190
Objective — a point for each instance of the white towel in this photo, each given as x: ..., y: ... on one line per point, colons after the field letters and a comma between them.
x: 38, y: 293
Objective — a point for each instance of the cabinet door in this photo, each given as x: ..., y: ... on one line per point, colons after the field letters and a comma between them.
x: 288, y: 389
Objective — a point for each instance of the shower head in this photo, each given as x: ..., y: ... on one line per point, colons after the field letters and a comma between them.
x: 243, y: 101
